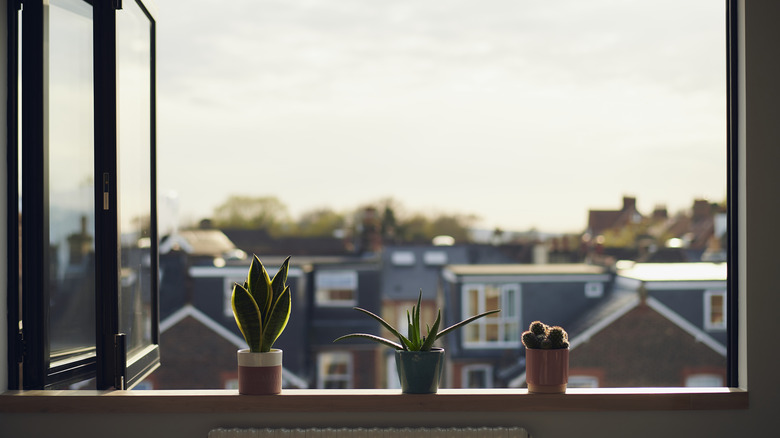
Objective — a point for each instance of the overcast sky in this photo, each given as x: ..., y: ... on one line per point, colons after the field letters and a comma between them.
x: 525, y: 113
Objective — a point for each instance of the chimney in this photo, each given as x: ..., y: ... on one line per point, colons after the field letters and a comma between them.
x: 370, y: 233
x: 701, y: 210
x: 629, y: 203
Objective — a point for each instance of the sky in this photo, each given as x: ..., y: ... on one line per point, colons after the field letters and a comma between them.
x: 524, y: 113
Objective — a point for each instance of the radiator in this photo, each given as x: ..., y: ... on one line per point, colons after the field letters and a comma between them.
x: 358, y: 432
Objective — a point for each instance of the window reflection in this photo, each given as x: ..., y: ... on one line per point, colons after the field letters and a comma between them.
x: 70, y: 141
x: 135, y: 179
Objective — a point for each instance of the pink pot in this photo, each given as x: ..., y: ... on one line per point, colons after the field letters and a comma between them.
x: 259, y: 373
x: 547, y: 371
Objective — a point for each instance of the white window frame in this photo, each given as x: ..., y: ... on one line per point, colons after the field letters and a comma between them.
x: 350, y: 279
x: 708, y: 323
x: 509, y: 315
x: 334, y: 356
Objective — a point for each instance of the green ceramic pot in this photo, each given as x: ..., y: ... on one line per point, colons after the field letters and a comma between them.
x: 420, y: 371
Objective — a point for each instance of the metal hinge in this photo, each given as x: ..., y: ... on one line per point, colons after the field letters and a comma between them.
x: 120, y: 361
x: 21, y: 345
x: 117, y: 4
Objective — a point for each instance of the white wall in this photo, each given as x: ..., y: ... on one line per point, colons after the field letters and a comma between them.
x: 761, y: 239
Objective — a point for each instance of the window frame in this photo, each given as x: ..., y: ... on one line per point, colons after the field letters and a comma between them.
x: 108, y: 362
x: 730, y: 397
x: 502, y: 319
x: 709, y: 325
x: 343, y: 356
x: 327, y: 301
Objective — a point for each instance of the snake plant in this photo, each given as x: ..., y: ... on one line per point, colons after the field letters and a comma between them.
x: 415, y: 341
x: 261, y: 305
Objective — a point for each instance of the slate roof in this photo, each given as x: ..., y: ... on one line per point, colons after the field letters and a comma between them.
x: 260, y: 242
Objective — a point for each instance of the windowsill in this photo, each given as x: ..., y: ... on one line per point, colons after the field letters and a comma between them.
x: 323, y: 400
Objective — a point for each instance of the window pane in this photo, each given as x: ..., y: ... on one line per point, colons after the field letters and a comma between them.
x: 135, y: 179
x: 71, y: 225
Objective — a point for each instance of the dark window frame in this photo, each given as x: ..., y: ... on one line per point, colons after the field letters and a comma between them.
x: 29, y: 341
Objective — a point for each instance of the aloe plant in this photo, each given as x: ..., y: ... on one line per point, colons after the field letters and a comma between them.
x: 261, y: 305
x: 415, y: 341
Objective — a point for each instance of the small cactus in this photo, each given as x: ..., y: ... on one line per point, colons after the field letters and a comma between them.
x: 540, y: 335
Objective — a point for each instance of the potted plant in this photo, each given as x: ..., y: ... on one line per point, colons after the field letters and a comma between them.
x: 261, y: 307
x: 546, y: 358
x: 418, y: 362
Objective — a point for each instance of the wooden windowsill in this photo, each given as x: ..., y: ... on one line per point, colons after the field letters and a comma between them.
x: 316, y: 401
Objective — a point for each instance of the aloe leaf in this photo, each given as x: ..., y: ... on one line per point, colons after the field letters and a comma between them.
x: 260, y: 286
x: 247, y: 315
x: 374, y: 338
x: 431, y: 337
x: 464, y: 322
x: 277, y: 320
x: 383, y: 322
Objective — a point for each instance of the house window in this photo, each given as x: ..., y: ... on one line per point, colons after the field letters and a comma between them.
x: 402, y: 258
x: 435, y: 258
x: 715, y: 310
x: 499, y: 330
x: 334, y: 370
x: 477, y: 376
x: 594, y: 290
x: 335, y: 288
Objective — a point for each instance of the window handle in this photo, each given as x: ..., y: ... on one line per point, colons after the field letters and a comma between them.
x: 105, y: 190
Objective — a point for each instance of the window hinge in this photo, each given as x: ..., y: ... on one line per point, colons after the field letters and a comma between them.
x: 19, y: 5
x: 21, y: 347
x: 117, y: 4
x: 120, y: 361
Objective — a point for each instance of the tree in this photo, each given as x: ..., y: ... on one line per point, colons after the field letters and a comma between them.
x: 263, y: 212
x: 320, y: 222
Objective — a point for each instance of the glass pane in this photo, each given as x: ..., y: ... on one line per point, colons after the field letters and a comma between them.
x: 135, y: 178
x: 70, y: 138
x: 472, y: 305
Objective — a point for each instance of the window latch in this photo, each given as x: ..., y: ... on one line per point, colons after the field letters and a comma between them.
x: 105, y: 190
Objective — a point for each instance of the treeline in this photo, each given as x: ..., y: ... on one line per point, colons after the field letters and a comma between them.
x: 394, y: 222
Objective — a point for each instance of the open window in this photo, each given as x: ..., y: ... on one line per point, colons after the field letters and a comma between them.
x: 87, y: 258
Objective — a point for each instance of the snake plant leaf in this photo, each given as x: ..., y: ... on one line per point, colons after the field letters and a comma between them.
x: 279, y: 282
x: 247, y: 315
x: 465, y: 321
x: 374, y: 338
x: 260, y: 286
x: 431, y: 337
x: 277, y: 320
